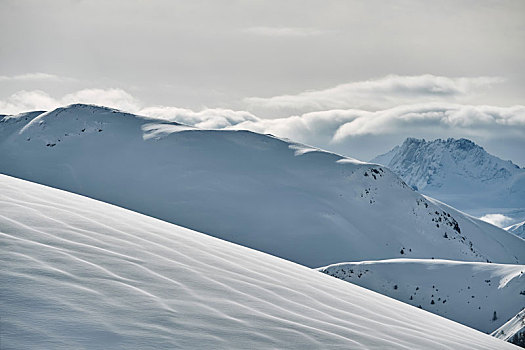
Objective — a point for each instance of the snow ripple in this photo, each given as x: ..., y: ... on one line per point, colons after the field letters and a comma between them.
x: 78, y: 273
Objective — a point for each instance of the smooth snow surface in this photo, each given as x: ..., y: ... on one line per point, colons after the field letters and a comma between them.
x: 78, y: 273
x: 283, y: 198
x: 460, y: 173
x: 466, y: 292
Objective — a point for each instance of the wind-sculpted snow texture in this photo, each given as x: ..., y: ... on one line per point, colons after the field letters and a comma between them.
x: 460, y: 173
x: 78, y: 273
x: 280, y: 197
x: 480, y: 295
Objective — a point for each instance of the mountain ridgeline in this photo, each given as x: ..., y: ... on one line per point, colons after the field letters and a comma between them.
x: 458, y: 172
x: 280, y: 197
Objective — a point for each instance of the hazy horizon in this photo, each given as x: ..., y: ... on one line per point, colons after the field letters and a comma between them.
x: 354, y: 77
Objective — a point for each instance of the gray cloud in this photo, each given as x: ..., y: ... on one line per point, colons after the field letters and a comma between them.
x: 215, y: 53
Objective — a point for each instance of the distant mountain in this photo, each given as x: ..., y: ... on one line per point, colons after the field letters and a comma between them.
x: 480, y: 295
x: 517, y: 229
x: 458, y: 172
x: 81, y: 274
x: 280, y: 197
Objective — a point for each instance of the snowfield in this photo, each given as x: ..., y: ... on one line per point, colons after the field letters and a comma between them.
x: 78, y: 273
x: 466, y: 292
x: 287, y: 199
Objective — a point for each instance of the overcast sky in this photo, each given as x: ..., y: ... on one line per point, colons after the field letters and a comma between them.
x: 356, y: 77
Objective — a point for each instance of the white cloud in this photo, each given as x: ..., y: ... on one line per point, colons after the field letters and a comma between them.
x: 33, y: 77
x: 379, y: 93
x: 499, y: 220
x: 354, y: 132
x: 214, y: 118
x: 335, y: 126
x: 470, y: 119
x: 23, y: 101
x: 285, y: 31
x: 364, y: 134
x: 322, y: 128
x: 116, y: 98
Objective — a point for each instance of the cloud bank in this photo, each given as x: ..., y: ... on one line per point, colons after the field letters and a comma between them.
x: 334, y: 126
x: 364, y: 134
x: 379, y: 93
x: 499, y: 220
x: 357, y: 133
x: 23, y: 101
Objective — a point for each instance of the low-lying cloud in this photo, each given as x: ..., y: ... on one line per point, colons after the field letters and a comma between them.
x: 364, y: 134
x: 380, y: 93
x: 23, y: 101
x: 499, y: 220
x: 357, y: 133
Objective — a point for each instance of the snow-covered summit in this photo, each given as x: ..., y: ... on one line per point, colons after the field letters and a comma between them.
x: 458, y: 172
x: 287, y: 199
x: 80, y: 274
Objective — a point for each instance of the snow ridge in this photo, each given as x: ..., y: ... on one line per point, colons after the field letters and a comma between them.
x: 287, y: 199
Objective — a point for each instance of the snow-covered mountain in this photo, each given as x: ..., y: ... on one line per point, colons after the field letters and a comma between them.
x: 517, y: 229
x: 460, y: 173
x: 480, y: 295
x: 277, y: 196
x: 513, y: 331
x: 78, y: 273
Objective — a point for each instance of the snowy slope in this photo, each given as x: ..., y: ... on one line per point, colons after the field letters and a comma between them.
x: 466, y: 292
x: 460, y: 173
x: 517, y: 229
x: 513, y: 331
x: 78, y: 273
x: 283, y: 198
